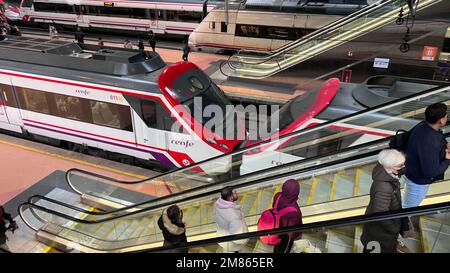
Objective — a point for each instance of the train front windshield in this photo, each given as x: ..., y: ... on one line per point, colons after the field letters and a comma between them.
x: 206, y: 102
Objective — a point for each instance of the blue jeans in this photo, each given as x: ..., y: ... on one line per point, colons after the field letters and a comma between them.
x: 414, y: 193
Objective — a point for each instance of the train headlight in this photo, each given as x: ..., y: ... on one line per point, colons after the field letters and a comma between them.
x: 210, y: 140
x: 224, y: 146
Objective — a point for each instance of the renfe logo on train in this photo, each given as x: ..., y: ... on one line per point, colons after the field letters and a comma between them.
x: 183, y: 143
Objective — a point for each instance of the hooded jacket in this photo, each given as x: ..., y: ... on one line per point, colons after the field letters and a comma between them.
x: 230, y: 220
x: 289, y: 197
x: 384, y: 196
x: 174, y: 235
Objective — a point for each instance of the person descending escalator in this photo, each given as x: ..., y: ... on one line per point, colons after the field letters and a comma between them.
x: 288, y: 197
x: 173, y: 228
x: 3, y: 228
x: 230, y: 220
x: 382, y: 236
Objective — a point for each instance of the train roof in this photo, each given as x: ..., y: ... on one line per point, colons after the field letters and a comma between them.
x: 152, y: 1
x: 338, y: 7
x: 125, y: 68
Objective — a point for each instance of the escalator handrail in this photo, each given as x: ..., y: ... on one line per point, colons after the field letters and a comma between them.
x: 204, y: 194
x: 198, y: 196
x: 317, y: 226
x: 444, y: 87
x: 324, y: 30
x: 246, y: 184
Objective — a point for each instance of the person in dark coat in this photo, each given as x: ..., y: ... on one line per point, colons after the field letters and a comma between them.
x: 173, y: 228
x: 186, y: 51
x: 427, y: 155
x: 288, y: 198
x: 12, y: 226
x: 385, y: 196
x: 152, y: 40
x: 141, y: 45
x: 79, y: 36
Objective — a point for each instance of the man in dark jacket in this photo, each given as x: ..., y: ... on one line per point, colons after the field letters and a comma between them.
x: 385, y: 196
x: 79, y: 36
x: 288, y: 197
x: 173, y: 228
x: 427, y: 156
x: 186, y: 51
x: 152, y: 40
x: 3, y: 228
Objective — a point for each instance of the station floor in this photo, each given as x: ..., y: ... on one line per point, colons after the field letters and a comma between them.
x: 25, y: 163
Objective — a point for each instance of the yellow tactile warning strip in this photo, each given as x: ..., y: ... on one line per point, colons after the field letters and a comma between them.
x: 72, y: 159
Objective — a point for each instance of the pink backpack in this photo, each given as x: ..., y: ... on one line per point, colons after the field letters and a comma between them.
x: 270, y: 219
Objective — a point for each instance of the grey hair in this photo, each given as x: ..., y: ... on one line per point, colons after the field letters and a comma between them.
x: 389, y: 158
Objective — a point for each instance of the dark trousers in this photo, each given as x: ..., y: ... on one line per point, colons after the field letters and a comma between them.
x: 185, y: 57
x: 284, y: 246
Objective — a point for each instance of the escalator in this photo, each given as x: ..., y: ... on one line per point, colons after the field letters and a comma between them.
x: 255, y: 65
x: 431, y: 224
x: 333, y: 185
x: 304, y: 148
x: 333, y: 190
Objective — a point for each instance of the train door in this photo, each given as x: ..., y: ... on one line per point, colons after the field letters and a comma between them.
x: 3, y: 115
x: 150, y: 133
x: 10, y: 117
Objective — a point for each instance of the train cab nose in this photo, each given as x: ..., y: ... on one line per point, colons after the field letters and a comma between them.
x: 204, y: 106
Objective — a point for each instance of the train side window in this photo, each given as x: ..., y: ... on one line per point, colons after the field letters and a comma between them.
x: 33, y: 100
x: 278, y: 33
x: 189, y: 16
x: 64, y: 8
x: 70, y: 107
x: 152, y: 14
x: 223, y: 27
x: 212, y: 25
x: 111, y: 115
x: 8, y: 95
x: 139, y: 13
x: 149, y: 113
x: 248, y: 31
x: 44, y: 7
x: 300, y: 32
x: 172, y: 15
x: 27, y: 3
x: 166, y: 121
x: 119, y: 12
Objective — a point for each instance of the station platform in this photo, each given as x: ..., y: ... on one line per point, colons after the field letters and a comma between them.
x: 30, y: 168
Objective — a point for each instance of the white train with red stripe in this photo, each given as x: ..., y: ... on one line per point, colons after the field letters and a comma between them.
x: 110, y: 100
x: 130, y: 105
x: 333, y: 100
x: 266, y: 25
x: 179, y: 17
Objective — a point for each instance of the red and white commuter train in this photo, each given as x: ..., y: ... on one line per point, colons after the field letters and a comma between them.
x: 132, y: 105
x: 179, y: 17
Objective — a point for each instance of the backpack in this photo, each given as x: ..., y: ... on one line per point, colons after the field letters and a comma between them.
x: 400, y: 140
x: 270, y: 219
